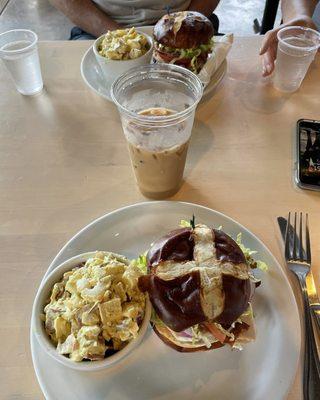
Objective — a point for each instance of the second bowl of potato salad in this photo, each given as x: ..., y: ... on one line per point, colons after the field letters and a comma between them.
x: 89, y: 312
x: 122, y: 49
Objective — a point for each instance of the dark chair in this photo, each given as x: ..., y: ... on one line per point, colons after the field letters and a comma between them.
x: 269, y: 17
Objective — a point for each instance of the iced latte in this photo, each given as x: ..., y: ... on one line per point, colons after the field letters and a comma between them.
x: 157, y: 105
x: 158, y: 169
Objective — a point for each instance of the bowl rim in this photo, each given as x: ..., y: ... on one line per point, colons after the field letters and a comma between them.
x: 43, y: 339
x: 107, y: 60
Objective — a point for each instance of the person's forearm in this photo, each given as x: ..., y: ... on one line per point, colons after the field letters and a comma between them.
x: 86, y: 15
x: 295, y: 8
x: 205, y: 7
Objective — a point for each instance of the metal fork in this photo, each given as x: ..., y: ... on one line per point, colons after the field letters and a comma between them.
x: 298, y: 261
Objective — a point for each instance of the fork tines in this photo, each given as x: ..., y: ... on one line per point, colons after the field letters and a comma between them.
x: 297, y: 246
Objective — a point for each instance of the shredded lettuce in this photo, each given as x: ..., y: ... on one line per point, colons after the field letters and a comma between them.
x: 141, y: 262
x: 187, y: 53
x: 225, y: 331
x: 262, y: 265
x: 208, y: 46
x: 249, y: 253
x: 192, y: 53
x: 247, y: 313
x: 188, y: 224
x: 237, y: 346
x: 194, y: 64
x: 185, y: 224
x: 199, y: 336
x: 155, y: 319
x: 245, y: 250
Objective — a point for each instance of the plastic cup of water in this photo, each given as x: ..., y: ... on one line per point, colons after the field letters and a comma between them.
x: 297, y: 47
x: 19, y: 53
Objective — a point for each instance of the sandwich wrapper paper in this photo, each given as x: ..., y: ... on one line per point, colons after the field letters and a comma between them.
x: 221, y: 48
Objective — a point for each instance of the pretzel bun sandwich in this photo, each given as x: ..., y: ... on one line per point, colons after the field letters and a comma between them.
x: 183, y: 38
x: 200, y: 285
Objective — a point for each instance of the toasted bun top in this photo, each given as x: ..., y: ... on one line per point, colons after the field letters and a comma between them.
x: 197, y: 275
x: 183, y: 30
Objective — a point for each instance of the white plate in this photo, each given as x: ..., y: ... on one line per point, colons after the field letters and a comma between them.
x: 263, y: 370
x: 93, y: 77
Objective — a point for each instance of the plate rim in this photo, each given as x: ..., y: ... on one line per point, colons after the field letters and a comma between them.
x: 83, y: 75
x: 211, y: 86
x: 164, y: 203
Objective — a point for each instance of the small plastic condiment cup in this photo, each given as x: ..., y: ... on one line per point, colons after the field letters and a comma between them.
x: 37, y: 324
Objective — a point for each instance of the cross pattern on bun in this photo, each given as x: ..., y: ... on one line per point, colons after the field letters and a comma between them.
x: 183, y: 38
x: 199, y: 277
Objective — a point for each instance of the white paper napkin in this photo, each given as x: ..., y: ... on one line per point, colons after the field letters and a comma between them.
x: 222, y: 46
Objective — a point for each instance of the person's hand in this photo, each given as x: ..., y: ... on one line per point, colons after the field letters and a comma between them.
x: 268, y: 49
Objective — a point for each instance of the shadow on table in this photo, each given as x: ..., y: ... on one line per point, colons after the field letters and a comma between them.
x: 78, y: 130
x: 200, y: 143
x: 192, y: 194
x: 257, y: 94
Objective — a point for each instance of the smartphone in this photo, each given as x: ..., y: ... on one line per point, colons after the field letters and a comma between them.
x: 307, y: 174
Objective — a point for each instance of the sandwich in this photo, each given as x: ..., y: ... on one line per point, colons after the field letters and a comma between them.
x: 201, y: 285
x: 183, y: 38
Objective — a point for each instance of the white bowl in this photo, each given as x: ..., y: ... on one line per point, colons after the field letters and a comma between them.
x: 112, y: 69
x: 41, y: 300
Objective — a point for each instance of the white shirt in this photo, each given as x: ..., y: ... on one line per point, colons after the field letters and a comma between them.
x: 140, y: 12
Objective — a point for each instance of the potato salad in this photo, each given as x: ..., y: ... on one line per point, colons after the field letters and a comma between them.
x: 96, y: 308
x: 123, y: 44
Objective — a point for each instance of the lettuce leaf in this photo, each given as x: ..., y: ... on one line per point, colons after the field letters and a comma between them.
x: 262, y: 265
x: 141, y: 263
x: 155, y: 319
x: 188, y: 53
x: 185, y: 224
x: 249, y: 253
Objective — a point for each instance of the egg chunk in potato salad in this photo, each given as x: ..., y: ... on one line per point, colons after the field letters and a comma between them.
x: 123, y: 44
x: 96, y: 308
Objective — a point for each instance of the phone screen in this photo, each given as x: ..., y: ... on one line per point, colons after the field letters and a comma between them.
x: 309, y: 152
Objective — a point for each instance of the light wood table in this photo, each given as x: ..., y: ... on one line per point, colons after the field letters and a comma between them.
x: 64, y: 162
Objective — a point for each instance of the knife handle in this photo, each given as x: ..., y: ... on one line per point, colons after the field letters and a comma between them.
x: 315, y: 313
x: 311, y: 370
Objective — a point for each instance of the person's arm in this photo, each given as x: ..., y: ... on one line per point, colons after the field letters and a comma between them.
x: 292, y: 9
x: 205, y: 7
x: 86, y: 15
x: 294, y: 12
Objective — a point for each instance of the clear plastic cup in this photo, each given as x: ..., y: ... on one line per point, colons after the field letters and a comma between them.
x: 19, y: 53
x: 297, y: 47
x: 157, y: 104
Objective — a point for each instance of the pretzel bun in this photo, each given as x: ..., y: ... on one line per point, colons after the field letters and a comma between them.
x: 197, y: 276
x: 183, y: 30
x: 183, y: 38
